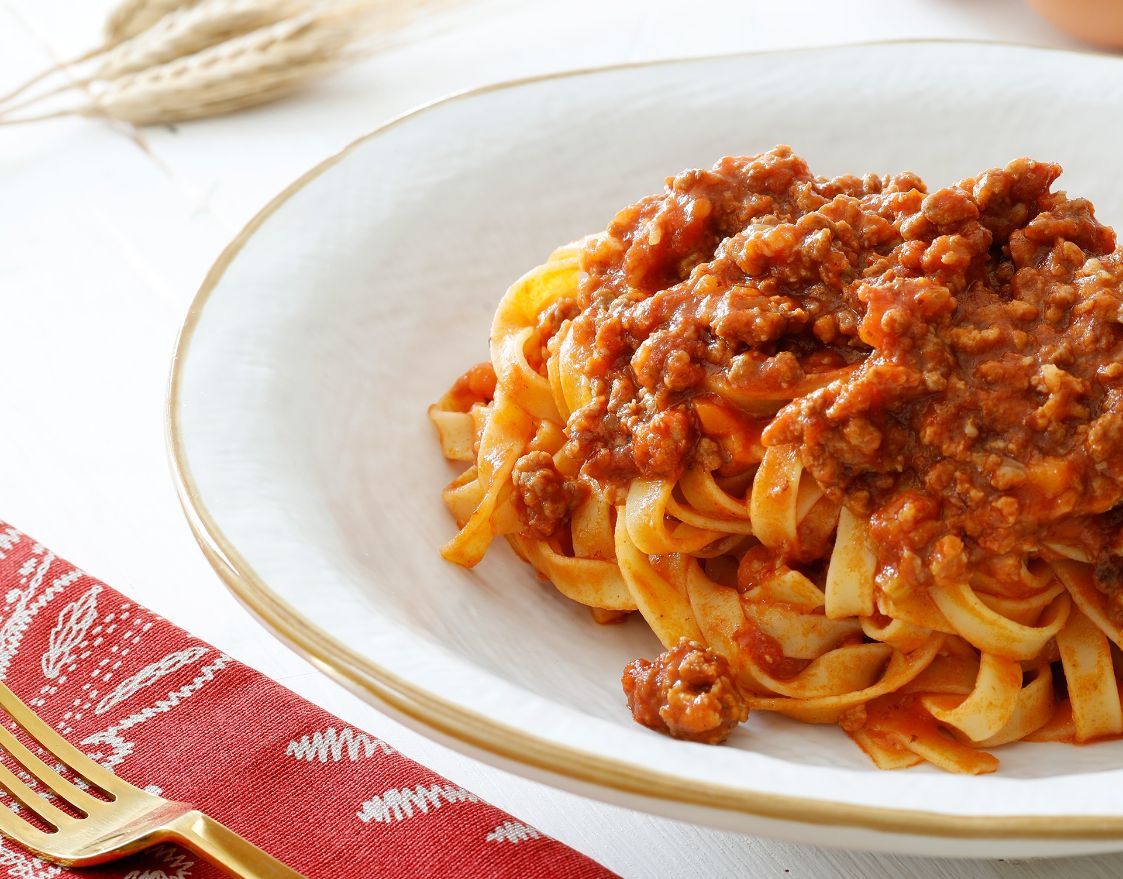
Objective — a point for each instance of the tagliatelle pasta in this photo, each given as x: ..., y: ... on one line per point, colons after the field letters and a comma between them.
x: 852, y: 450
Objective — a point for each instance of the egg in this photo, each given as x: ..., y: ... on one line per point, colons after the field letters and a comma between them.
x: 1099, y: 22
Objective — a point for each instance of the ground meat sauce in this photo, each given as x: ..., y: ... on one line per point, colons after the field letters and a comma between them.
x: 743, y: 275
x: 954, y: 362
x: 540, y: 495
x: 987, y: 422
x: 687, y: 693
x: 973, y: 334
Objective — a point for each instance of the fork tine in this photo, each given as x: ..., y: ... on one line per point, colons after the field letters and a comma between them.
x: 28, y: 798
x: 58, y: 746
x: 47, y: 776
x: 14, y: 827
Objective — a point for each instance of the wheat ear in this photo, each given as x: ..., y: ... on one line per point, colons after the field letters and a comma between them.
x: 129, y: 18
x: 247, y: 70
x: 181, y: 32
x: 191, y: 29
x: 132, y: 17
x: 241, y: 71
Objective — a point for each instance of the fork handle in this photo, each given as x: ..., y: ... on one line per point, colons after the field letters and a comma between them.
x: 224, y: 848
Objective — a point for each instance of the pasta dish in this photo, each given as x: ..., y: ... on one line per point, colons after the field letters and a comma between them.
x: 852, y: 449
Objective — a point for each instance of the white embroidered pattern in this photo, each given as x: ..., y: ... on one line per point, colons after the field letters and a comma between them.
x: 119, y: 747
x: 397, y: 805
x: 102, y: 654
x: 513, y: 831
x: 149, y: 675
x: 333, y: 745
x: 174, y: 864
x: 74, y: 622
x: 41, y: 578
x: 25, y: 866
x: 9, y: 537
x: 28, y: 604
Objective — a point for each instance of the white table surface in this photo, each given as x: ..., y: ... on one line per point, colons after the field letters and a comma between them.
x: 106, y: 233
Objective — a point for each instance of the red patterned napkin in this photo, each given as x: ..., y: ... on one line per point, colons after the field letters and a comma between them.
x: 168, y: 712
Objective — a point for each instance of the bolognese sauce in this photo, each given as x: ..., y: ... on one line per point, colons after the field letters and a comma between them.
x: 985, y: 415
x: 984, y: 418
x: 759, y: 376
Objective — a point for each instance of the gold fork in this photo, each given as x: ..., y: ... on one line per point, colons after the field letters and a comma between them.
x: 129, y: 821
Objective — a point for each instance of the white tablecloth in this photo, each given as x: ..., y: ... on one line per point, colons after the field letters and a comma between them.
x: 105, y: 234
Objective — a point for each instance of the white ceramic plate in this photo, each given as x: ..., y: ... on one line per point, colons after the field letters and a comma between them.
x: 312, y: 476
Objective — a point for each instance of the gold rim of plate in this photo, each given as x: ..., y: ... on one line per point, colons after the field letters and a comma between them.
x: 478, y: 731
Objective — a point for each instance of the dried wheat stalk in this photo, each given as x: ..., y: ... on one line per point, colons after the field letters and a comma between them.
x: 132, y: 17
x: 128, y: 19
x: 181, y: 32
x: 191, y: 29
x: 215, y: 56
x: 259, y: 66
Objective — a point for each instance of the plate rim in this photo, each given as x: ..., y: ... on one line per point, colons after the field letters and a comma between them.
x: 475, y: 730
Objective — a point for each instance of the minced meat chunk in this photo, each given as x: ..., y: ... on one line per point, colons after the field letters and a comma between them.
x: 540, y: 495
x: 687, y: 693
